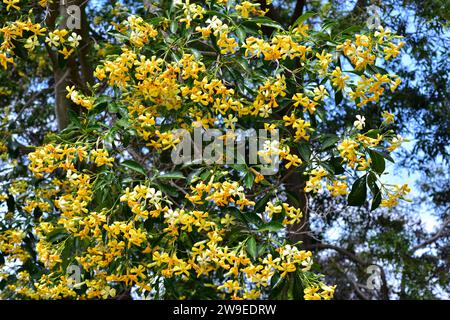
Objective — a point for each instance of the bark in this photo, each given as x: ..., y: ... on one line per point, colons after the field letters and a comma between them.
x: 295, y: 184
x: 272, y: 13
x: 298, y: 10
x: 62, y: 104
x: 87, y: 72
x: 73, y: 71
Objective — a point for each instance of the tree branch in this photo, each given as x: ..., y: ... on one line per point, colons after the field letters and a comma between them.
x: 298, y: 10
x: 358, y: 290
x: 353, y: 257
x: 440, y: 233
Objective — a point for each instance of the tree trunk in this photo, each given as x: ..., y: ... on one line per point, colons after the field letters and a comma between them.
x: 299, y: 232
x: 68, y: 72
x: 62, y: 104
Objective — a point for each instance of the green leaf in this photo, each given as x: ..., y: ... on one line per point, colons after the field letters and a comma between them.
x: 265, y: 22
x: 241, y: 34
x: 113, y: 107
x: 241, y: 62
x: 261, y: 203
x: 194, y: 174
x: 338, y: 97
x: 386, y: 155
x: 357, y: 196
x: 197, y: 54
x: 101, y: 103
x: 376, y: 192
x: 248, y: 217
x: 172, y: 175
x: 205, y: 175
x: 74, y: 120
x: 377, y: 69
x: 217, y: 13
x: 351, y: 30
x: 303, y: 17
x: 372, y: 180
x: 261, y: 249
x: 67, y: 252
x: 272, y: 226
x: 328, y: 140
x: 248, y: 180
x: 373, y: 133
x: 123, y: 123
x: 336, y: 165
x: 297, y: 288
x: 251, y: 247
x: 11, y: 203
x: 171, y: 191
x: 252, y: 217
x: 277, y: 284
x: 133, y: 165
x: 156, y: 20
x: 19, y: 49
x: 56, y: 235
x: 378, y: 163
x: 174, y: 26
x: 304, y: 150
x: 376, y: 201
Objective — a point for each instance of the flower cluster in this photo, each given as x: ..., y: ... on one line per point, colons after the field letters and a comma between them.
x: 107, y: 200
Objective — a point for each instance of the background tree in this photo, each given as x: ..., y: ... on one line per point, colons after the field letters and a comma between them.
x: 421, y: 105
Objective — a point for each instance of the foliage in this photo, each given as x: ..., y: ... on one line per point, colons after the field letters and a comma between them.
x: 103, y: 194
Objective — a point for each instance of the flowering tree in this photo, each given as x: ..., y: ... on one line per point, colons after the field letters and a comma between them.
x: 104, y: 210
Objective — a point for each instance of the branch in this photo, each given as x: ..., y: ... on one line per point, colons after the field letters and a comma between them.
x: 441, y: 232
x: 137, y: 156
x: 353, y: 257
x: 359, y: 293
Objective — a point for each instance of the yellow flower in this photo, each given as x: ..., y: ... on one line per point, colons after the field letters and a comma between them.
x: 230, y: 121
x: 271, y: 208
x: 4, y: 60
x: 311, y: 293
x: 228, y: 45
x: 338, y: 188
x: 231, y: 286
x: 338, y: 79
x: 393, y: 50
x: 301, y: 29
x: 11, y: 3
x: 294, y: 160
x: 101, y: 157
x: 347, y: 150
x: 314, y: 181
x: 204, y: 31
x: 324, y: 59
x: 388, y: 117
x: 227, y: 221
x: 320, y: 93
x: 66, y: 53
